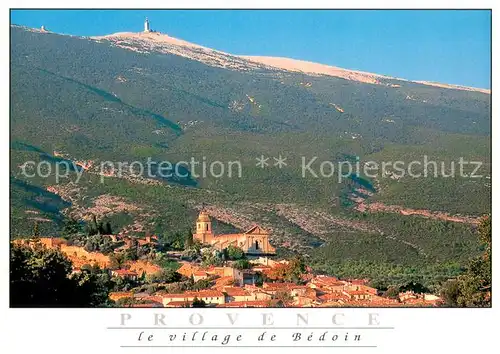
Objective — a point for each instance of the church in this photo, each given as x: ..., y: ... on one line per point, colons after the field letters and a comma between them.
x: 253, y: 242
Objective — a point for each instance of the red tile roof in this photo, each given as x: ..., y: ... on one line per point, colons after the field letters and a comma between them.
x: 179, y: 303
x: 234, y: 291
x: 358, y: 292
x: 198, y: 294
x: 326, y: 279
x: 153, y: 298
x: 279, y: 286
x: 208, y: 293
x: 257, y: 303
x: 221, y: 282
x: 151, y: 304
x: 335, y: 296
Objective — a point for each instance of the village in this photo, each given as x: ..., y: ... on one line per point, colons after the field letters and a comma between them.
x: 230, y: 270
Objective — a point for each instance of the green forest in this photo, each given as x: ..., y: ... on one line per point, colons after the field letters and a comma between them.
x: 76, y: 99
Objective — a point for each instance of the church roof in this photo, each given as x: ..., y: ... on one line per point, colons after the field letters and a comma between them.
x: 256, y: 229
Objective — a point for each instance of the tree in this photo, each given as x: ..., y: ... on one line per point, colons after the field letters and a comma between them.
x: 197, y: 245
x: 94, y: 284
x: 107, y: 229
x: 450, y: 291
x: 116, y: 261
x: 202, y: 284
x: 90, y: 245
x: 106, y: 246
x: 224, y: 255
x: 392, y: 292
x: 198, y: 303
x: 484, y: 231
x: 190, y: 254
x: 188, y: 240
x: 92, y: 226
x: 93, y: 269
x: 291, y: 272
x: 284, y: 297
x: 473, y: 288
x: 71, y: 227
x: 211, y: 257
x: 36, y: 230
x: 242, y: 264
x: 98, y: 228
x: 258, y: 279
x: 151, y: 289
x: 132, y: 253
x: 125, y: 302
x: 175, y: 240
x: 41, y: 277
x: 297, y: 268
x: 235, y: 253
x: 415, y: 287
x: 165, y: 276
x: 278, y: 304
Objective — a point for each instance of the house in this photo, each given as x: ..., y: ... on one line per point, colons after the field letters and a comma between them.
x: 273, y: 288
x: 261, y: 268
x: 327, y: 284
x: 125, y: 274
x: 222, y: 282
x: 408, y: 295
x: 141, y: 266
x: 305, y: 301
x: 361, y: 287
x: 338, y: 296
x: 208, y: 296
x: 258, y: 293
x: 199, y: 275
x: 188, y: 270
x: 237, y: 294
x: 359, y: 295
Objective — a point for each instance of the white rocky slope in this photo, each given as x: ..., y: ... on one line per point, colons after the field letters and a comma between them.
x: 156, y: 42
x: 159, y: 42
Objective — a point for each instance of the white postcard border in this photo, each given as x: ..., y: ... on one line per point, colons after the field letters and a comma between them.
x: 86, y: 330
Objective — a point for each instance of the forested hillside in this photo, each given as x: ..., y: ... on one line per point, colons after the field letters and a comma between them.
x: 86, y: 100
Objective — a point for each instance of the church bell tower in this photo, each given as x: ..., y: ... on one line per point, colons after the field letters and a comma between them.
x: 203, y: 228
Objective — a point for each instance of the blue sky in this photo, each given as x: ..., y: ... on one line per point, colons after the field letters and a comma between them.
x: 449, y: 46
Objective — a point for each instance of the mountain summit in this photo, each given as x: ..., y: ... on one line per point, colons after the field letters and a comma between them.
x: 140, y: 97
x: 151, y: 41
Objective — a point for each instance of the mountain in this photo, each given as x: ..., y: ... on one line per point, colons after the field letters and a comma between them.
x: 132, y: 96
x: 163, y: 43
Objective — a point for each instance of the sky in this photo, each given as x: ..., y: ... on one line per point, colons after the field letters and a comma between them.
x: 447, y: 46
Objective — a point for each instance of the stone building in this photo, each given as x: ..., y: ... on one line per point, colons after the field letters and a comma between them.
x: 255, y: 241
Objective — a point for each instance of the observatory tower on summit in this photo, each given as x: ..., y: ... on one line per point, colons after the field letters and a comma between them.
x: 147, y: 29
